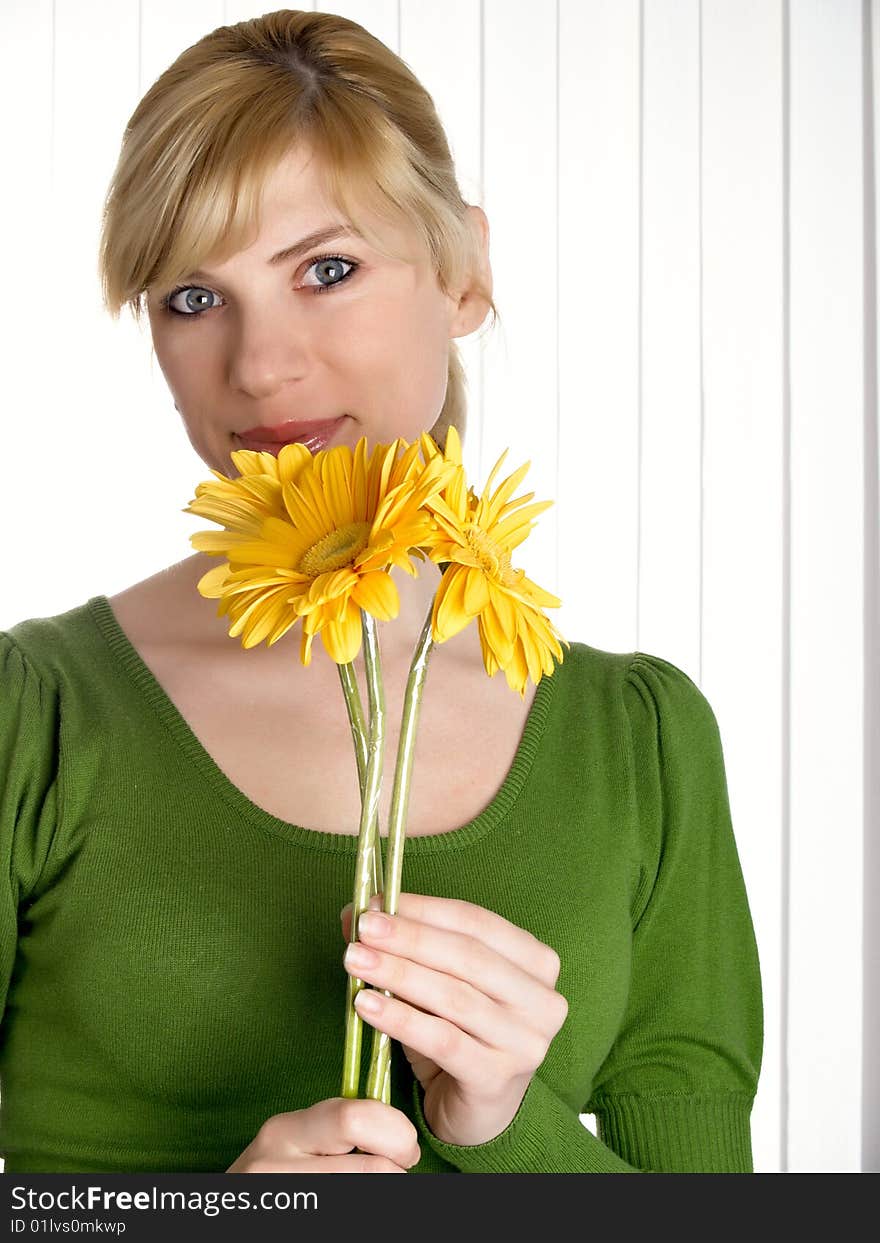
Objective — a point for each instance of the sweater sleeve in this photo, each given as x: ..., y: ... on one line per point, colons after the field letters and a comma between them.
x: 29, y: 731
x: 545, y: 1137
x: 675, y: 1091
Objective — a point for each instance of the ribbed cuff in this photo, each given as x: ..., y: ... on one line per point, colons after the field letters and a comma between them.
x: 679, y: 1134
x: 544, y: 1137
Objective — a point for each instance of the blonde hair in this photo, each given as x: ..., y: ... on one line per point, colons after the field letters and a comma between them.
x: 203, y: 140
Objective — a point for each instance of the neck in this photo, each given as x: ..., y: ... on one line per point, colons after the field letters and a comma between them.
x: 400, y: 636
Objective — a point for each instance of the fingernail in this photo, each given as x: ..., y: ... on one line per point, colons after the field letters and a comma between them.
x: 376, y: 902
x: 358, y: 955
x: 345, y: 910
x: 374, y: 924
x: 368, y: 1001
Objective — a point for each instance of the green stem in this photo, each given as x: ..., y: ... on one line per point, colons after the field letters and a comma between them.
x: 378, y: 1076
x: 359, y: 734
x: 367, y: 845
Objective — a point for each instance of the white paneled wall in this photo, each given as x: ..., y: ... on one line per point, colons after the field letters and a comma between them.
x: 825, y: 582
x: 682, y: 202
x: 740, y: 438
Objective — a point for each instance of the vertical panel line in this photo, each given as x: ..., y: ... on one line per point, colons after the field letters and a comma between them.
x: 558, y: 586
x: 700, y: 320
x: 140, y: 47
x: 870, y: 1137
x: 640, y: 315
x: 482, y: 352
x: 52, y: 112
x: 785, y: 766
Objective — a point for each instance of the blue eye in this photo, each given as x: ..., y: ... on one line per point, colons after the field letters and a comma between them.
x: 333, y: 260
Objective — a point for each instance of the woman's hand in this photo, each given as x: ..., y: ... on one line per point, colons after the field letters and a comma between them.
x: 475, y: 1007
x: 320, y: 1139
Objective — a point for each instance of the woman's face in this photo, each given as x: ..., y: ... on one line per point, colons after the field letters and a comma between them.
x: 361, y: 335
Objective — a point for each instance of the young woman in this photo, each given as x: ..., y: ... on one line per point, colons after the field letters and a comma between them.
x: 178, y: 815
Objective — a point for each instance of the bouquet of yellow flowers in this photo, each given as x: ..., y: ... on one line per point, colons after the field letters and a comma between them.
x: 312, y: 539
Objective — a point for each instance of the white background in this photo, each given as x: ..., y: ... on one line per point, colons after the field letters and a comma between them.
x: 682, y: 201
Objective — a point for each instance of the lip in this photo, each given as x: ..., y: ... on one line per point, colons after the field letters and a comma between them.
x: 315, y: 434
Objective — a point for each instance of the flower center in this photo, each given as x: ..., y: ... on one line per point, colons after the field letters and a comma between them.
x: 335, y: 550
x: 494, y: 560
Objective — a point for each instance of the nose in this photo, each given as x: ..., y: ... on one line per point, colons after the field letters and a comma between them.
x: 270, y: 348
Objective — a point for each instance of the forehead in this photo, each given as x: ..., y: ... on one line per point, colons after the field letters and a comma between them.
x: 296, y: 205
x: 298, y: 182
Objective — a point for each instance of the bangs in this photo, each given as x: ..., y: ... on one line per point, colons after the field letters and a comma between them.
x: 208, y: 205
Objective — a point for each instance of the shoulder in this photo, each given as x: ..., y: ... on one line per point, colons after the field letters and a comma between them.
x: 656, y: 704
x: 30, y: 753
x: 635, y: 670
x: 42, y: 646
x: 665, y: 705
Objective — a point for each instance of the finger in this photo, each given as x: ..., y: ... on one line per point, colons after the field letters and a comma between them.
x: 452, y: 954
x: 345, y: 917
x: 449, y: 998
x: 358, y: 1164
x: 337, y: 1125
x: 454, y: 914
x: 460, y: 1055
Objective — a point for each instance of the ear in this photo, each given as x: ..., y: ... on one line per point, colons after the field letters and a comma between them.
x: 472, y: 307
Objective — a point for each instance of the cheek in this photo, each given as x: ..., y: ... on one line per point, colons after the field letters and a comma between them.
x: 175, y: 361
x: 409, y: 395
x: 408, y: 346
x: 389, y: 357
x: 185, y: 361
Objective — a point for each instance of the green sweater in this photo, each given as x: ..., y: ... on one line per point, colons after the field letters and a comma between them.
x: 171, y: 954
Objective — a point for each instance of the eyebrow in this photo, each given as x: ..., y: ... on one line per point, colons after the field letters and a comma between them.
x: 329, y: 233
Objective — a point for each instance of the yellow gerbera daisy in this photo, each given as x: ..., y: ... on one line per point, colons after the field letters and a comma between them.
x: 476, y: 536
x: 312, y: 538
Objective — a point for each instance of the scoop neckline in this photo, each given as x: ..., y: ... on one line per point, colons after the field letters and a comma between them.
x: 101, y: 612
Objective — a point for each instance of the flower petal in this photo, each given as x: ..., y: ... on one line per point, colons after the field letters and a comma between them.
x: 505, y: 610
x: 449, y: 615
x: 377, y: 594
x: 210, y: 585
x: 476, y: 591
x: 342, y: 639
x: 507, y: 531
x: 501, y: 645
